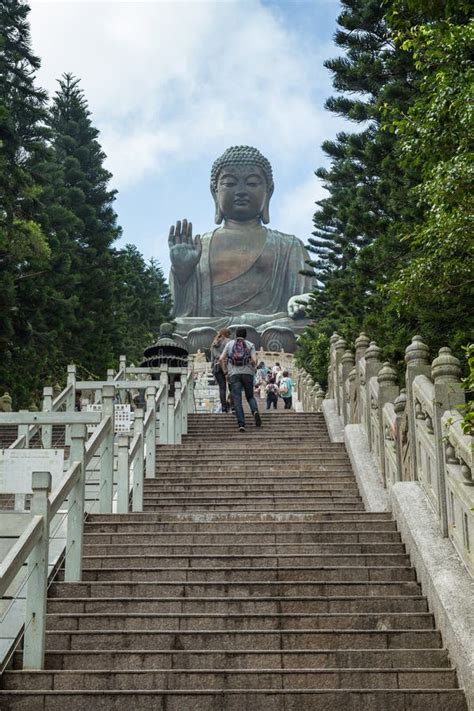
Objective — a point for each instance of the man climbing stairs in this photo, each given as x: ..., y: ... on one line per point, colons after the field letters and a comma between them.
x: 253, y: 580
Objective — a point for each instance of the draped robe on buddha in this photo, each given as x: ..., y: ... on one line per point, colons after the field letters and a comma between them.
x: 261, y: 292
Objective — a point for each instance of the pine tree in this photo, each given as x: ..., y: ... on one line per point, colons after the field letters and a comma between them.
x: 86, y: 195
x: 142, y: 302
x: 24, y: 250
x: 355, y: 246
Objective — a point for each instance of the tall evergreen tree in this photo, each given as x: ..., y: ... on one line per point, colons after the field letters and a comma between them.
x: 87, y: 196
x: 142, y: 302
x: 355, y: 244
x: 24, y: 250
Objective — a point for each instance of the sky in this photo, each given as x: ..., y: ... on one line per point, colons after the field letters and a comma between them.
x: 171, y: 85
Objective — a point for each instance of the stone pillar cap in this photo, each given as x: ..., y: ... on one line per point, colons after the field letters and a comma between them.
x: 340, y: 345
x: 348, y: 357
x: 446, y: 368
x: 362, y: 340
x: 387, y: 375
x: 417, y: 353
x: 400, y: 402
x: 373, y: 352
x: 335, y: 337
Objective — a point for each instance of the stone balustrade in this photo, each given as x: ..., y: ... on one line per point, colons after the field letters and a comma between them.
x: 105, y: 463
x: 414, y: 433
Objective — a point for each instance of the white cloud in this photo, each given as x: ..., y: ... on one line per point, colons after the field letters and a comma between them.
x: 166, y: 81
x: 295, y: 210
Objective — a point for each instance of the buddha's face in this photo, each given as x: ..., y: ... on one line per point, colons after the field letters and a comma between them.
x: 241, y: 192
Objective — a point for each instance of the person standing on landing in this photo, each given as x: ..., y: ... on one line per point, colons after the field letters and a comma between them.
x: 239, y: 359
x: 285, y: 389
x: 218, y: 345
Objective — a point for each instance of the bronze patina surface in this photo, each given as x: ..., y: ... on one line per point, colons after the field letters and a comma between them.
x: 241, y: 272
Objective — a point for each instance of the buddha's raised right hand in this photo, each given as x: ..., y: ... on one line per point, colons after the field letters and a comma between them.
x: 185, y: 252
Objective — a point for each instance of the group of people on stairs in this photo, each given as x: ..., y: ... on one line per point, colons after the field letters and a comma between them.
x: 234, y: 366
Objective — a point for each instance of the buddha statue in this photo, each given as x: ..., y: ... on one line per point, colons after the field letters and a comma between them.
x: 241, y: 272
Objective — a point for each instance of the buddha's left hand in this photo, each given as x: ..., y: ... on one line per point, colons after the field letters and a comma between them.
x: 297, y: 306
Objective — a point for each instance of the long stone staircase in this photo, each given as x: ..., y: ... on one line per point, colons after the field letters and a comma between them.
x: 253, y: 580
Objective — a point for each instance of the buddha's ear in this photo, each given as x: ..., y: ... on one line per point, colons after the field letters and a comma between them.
x: 219, y: 216
x: 265, y: 216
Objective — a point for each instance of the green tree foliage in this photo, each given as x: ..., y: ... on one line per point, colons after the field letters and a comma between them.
x: 399, y: 182
x: 86, y: 195
x: 24, y: 249
x: 66, y: 293
x: 436, y: 136
x: 142, y: 302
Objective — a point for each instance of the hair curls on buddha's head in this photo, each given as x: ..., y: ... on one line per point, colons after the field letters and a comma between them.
x: 243, y: 155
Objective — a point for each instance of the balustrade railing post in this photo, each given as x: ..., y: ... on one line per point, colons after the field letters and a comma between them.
x: 177, y: 414
x: 24, y: 431
x: 76, y: 505
x: 332, y: 387
x: 164, y: 409
x: 184, y: 403
x: 417, y: 363
x: 448, y: 395
x: 123, y: 366
x: 339, y: 349
x: 399, y: 406
x: 190, y: 395
x: 123, y: 473
x: 47, y: 430
x: 347, y: 364
x: 372, y: 367
x: 388, y: 391
x: 110, y: 374
x: 71, y: 399
x: 171, y: 429
x: 319, y: 399
x: 352, y: 389
x: 361, y: 344
x: 137, y: 491
x: 37, y: 576
x: 107, y: 455
x: 150, y: 442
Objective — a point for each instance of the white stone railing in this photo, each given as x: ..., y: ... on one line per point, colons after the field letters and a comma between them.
x: 413, y: 434
x: 309, y: 393
x: 115, y: 465
x: 458, y: 468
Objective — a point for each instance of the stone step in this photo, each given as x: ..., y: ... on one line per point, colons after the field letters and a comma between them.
x: 240, y: 605
x: 310, y: 468
x: 242, y: 639
x: 225, y: 588
x: 108, y: 549
x: 288, y: 537
x: 251, y: 573
x: 228, y: 497
x: 239, y: 560
x: 195, y: 491
x: 237, y: 700
x: 239, y: 447
x: 135, y: 518
x: 245, y: 659
x: 262, y: 678
x: 266, y: 458
x: 185, y: 621
x: 272, y: 507
x: 208, y: 524
x: 155, y: 486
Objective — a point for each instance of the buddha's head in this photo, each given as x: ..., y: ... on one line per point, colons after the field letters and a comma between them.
x: 242, y: 185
